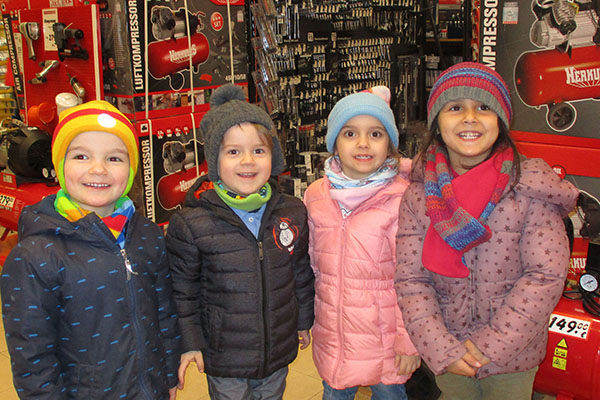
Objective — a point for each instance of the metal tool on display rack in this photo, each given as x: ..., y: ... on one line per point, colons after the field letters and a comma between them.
x: 67, y: 40
x: 40, y: 77
x: 31, y: 32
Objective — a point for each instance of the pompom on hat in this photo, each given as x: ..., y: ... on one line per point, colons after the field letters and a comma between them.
x: 470, y: 80
x: 374, y: 102
x: 93, y: 116
x: 228, y: 108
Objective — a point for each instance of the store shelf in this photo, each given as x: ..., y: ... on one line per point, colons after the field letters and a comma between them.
x: 457, y: 40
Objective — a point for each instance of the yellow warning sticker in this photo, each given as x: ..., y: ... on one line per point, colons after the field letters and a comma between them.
x: 560, y: 352
x: 559, y: 363
x: 562, y: 343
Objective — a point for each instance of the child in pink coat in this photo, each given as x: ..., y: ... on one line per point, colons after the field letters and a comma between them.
x: 358, y: 335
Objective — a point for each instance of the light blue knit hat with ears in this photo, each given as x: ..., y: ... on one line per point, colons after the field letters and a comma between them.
x: 374, y: 102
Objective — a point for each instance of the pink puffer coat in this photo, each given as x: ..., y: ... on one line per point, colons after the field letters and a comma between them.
x: 358, y: 327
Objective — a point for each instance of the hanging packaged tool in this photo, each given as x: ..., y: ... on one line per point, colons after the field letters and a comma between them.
x: 67, y: 42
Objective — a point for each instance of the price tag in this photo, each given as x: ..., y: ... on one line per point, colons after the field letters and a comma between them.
x: 6, y: 201
x: 564, y: 325
x: 50, y: 17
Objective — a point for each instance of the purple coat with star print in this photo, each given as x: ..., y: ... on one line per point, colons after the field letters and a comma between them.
x: 515, y: 280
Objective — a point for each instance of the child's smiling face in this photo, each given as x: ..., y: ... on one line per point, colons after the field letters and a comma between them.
x: 469, y: 129
x: 363, y: 145
x: 244, y: 159
x: 96, y: 170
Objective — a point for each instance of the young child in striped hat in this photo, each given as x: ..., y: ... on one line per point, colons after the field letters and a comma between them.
x: 86, y: 293
x: 481, y: 248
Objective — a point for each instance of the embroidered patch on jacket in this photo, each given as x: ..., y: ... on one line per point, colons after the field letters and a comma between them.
x: 285, y: 234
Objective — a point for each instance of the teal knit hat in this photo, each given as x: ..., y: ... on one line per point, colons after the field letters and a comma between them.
x: 363, y: 103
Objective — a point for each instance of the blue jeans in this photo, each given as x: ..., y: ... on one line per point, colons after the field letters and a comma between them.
x: 269, y: 388
x: 379, y: 391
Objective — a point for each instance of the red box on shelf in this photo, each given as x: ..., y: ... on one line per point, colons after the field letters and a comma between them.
x: 164, y: 58
x: 171, y: 159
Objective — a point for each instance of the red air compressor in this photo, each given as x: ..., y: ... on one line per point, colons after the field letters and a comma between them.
x: 571, y: 369
x: 173, y: 188
x: 552, y: 78
x: 568, y: 67
x: 173, y: 55
x: 184, y: 162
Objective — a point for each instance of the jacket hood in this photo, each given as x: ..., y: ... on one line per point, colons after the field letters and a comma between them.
x: 320, y: 189
x: 538, y: 181
x: 203, y: 184
x: 43, y: 219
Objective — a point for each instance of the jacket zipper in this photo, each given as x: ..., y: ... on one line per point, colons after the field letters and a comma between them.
x: 136, y: 326
x: 264, y: 307
x: 472, y: 295
x: 128, y: 268
x: 340, y: 299
x: 260, y: 251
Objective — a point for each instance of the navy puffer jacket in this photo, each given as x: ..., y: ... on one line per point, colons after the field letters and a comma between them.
x: 76, y: 326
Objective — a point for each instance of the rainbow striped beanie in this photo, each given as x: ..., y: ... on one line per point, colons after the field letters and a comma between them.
x: 93, y: 116
x: 470, y: 80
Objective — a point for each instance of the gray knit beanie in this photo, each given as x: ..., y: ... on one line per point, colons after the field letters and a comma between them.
x: 228, y: 107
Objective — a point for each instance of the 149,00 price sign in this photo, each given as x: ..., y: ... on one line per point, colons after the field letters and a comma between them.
x: 569, y: 326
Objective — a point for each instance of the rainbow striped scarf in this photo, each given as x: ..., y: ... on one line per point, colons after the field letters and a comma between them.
x: 452, y: 204
x: 115, y: 222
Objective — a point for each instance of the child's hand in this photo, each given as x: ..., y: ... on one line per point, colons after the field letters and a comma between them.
x: 465, y: 366
x: 304, y: 339
x: 184, y: 362
x: 475, y: 352
x: 470, y: 362
x: 173, y: 393
x: 406, y: 365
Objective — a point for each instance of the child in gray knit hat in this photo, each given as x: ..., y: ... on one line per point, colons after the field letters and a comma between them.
x: 238, y: 253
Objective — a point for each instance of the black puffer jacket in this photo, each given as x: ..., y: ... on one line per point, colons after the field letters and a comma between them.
x: 76, y: 326
x: 241, y: 300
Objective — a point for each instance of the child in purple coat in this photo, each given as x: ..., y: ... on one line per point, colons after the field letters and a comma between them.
x: 481, y: 248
